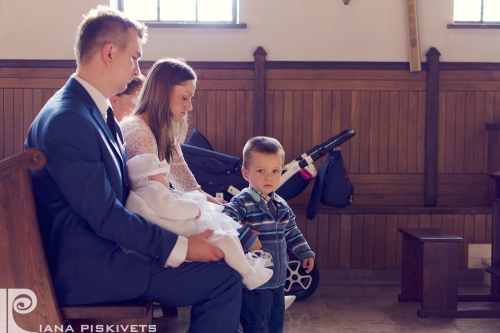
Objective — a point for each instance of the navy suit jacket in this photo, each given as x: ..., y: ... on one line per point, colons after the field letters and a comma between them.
x: 80, y: 198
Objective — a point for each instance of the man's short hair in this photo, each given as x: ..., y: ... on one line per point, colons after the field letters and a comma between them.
x: 104, y: 25
x: 264, y: 145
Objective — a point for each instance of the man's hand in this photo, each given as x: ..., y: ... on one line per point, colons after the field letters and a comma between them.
x: 201, y: 250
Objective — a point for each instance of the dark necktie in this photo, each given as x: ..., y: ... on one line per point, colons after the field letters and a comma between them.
x: 110, y: 119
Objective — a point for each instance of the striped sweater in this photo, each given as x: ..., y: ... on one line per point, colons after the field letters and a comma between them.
x: 276, y: 235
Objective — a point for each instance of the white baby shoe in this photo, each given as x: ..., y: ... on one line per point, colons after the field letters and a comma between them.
x: 257, y: 278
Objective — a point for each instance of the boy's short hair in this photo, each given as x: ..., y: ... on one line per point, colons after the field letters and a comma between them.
x: 104, y: 25
x: 262, y: 144
x: 136, y: 83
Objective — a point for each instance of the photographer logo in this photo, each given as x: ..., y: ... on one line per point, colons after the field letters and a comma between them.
x: 21, y: 301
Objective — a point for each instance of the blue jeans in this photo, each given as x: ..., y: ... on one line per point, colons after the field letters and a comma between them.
x: 263, y: 310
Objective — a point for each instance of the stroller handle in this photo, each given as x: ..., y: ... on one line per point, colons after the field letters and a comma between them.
x: 337, y: 140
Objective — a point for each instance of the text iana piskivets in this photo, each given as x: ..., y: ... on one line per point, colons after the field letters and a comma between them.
x: 99, y: 328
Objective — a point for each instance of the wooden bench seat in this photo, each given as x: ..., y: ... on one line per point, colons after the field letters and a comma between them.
x: 24, y: 267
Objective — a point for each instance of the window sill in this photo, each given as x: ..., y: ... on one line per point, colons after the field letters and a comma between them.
x: 474, y: 26
x: 197, y: 25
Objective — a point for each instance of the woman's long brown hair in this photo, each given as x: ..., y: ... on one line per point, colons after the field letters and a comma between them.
x: 154, y: 100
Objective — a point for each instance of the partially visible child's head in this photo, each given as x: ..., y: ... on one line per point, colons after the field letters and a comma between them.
x: 263, y: 159
x: 124, y: 103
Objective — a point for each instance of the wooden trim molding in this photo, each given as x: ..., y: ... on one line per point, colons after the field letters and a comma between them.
x: 260, y: 91
x: 432, y: 127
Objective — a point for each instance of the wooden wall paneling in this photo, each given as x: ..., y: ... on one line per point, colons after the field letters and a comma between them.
x: 421, y: 128
x: 313, y: 233
x: 346, y: 120
x: 480, y: 139
x: 357, y: 241
x: 46, y: 95
x: 447, y: 223
x: 288, y: 122
x: 323, y: 247
x: 333, y: 222
x: 479, y: 228
x: 2, y: 127
x: 384, y: 139
x: 374, y: 132
x: 357, y: 141
x: 212, y: 117
x: 230, y: 119
x: 220, y: 125
x: 350, y: 85
x: 458, y: 229
x: 307, y: 124
x: 468, y: 234
x: 496, y: 109
x: 436, y: 221
x: 469, y: 132
x: 269, y: 116
x: 249, y: 114
x: 489, y: 229
x: 316, y: 118
x: 393, y: 131
x: 297, y: 127
x: 425, y: 221
x: 380, y: 232
x: 460, y: 128
x: 364, y: 131
x: 441, y: 134
x: 403, y: 133
x: 368, y: 240
x: 239, y: 122
x: 402, y: 223
x: 277, y: 115
x: 412, y: 132
x: 198, y: 118
x: 28, y: 112
x: 450, y: 132
x: 391, y: 237
x: 8, y: 122
x: 345, y: 243
x: 336, y: 110
x: 18, y: 130
x: 326, y: 115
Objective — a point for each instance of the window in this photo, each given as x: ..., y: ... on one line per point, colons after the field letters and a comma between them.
x: 183, y: 12
x: 476, y: 11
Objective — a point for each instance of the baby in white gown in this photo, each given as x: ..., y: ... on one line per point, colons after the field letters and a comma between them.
x: 187, y: 214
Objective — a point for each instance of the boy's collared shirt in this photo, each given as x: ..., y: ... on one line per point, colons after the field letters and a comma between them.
x: 268, y: 200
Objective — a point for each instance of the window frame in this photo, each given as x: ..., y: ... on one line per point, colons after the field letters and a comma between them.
x: 481, y: 24
x: 191, y: 24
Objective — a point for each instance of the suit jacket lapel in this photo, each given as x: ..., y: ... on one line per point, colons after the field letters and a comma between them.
x: 116, y: 147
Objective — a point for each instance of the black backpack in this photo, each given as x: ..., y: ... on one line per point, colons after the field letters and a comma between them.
x: 333, y: 186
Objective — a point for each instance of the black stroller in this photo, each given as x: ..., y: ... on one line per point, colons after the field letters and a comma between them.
x: 220, y: 175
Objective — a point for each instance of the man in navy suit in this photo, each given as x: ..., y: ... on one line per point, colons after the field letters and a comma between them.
x: 97, y: 250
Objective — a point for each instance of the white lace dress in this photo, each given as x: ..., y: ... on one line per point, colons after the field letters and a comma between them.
x: 140, y: 140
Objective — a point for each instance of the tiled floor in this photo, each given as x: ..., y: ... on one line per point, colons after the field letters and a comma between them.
x: 366, y: 308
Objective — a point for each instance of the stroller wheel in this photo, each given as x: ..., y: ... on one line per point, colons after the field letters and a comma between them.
x: 298, y: 282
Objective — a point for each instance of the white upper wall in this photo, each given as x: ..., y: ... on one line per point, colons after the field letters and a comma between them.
x: 289, y: 30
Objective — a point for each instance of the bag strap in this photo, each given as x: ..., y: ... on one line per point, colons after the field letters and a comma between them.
x: 312, y: 207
